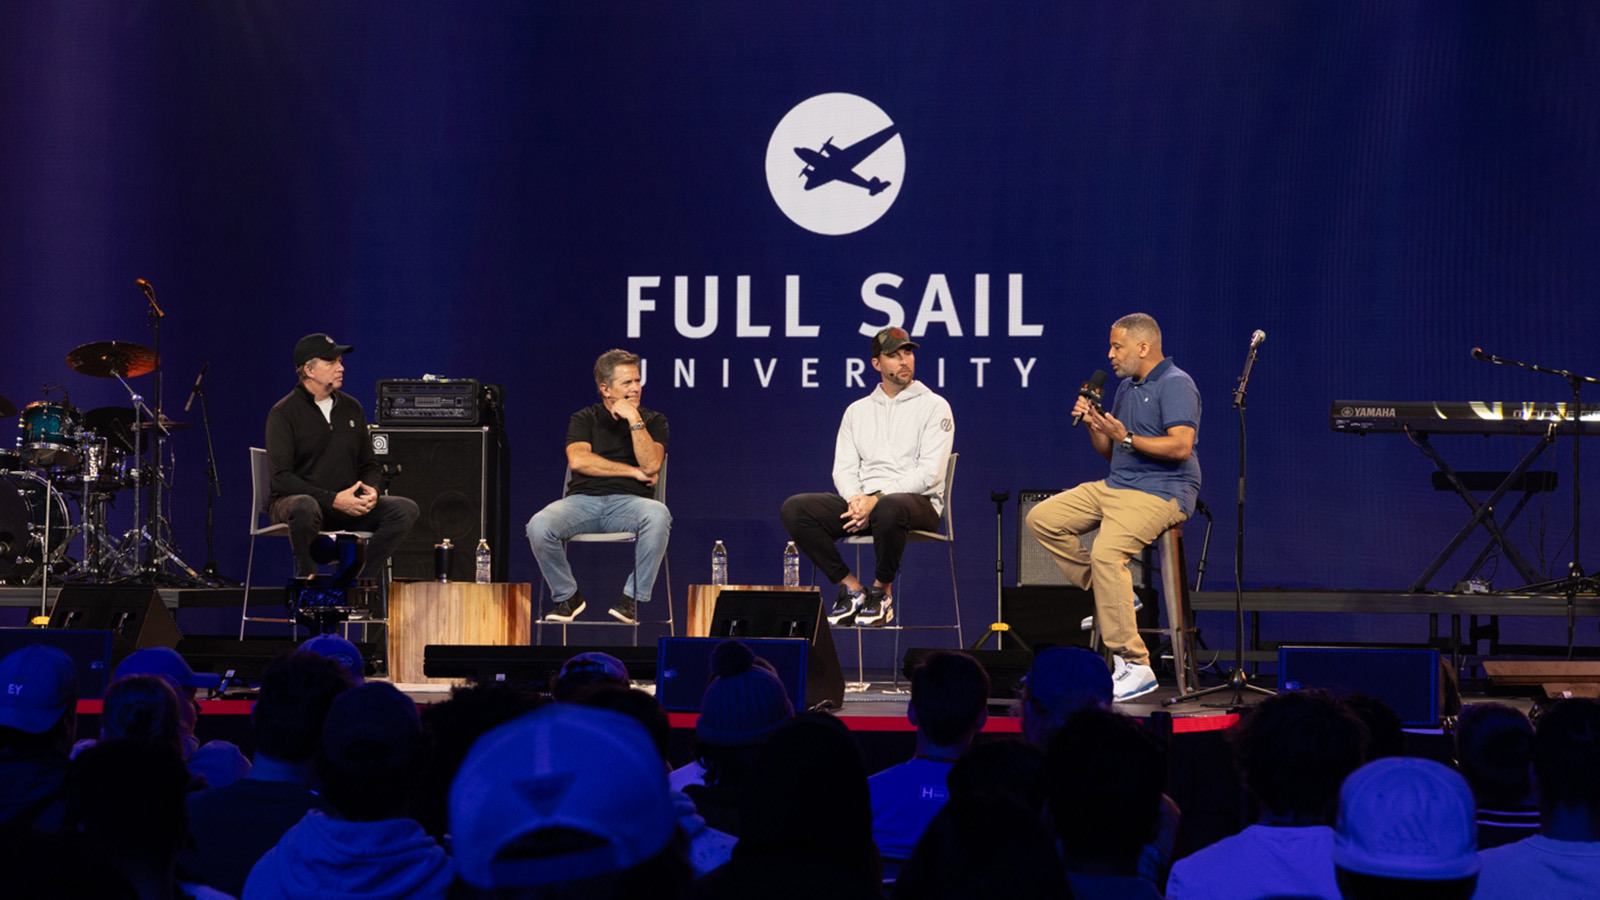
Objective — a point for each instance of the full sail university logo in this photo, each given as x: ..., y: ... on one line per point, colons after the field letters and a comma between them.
x: 835, y: 163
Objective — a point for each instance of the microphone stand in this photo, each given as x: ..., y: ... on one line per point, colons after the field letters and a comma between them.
x: 1238, y: 682
x: 998, y: 629
x: 213, y: 491
x: 1576, y: 581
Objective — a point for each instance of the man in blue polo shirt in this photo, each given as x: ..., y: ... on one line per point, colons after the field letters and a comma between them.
x: 1149, y: 436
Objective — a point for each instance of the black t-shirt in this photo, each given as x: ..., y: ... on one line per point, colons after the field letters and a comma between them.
x: 611, y: 438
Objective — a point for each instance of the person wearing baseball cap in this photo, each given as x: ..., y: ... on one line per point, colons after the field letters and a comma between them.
x: 219, y: 762
x: 888, y: 472
x: 38, y: 715
x: 324, y: 473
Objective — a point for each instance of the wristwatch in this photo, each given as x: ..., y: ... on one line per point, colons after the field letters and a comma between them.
x: 1127, y: 442
x: 637, y: 426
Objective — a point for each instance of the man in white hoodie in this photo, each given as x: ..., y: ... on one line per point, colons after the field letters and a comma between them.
x: 888, y: 470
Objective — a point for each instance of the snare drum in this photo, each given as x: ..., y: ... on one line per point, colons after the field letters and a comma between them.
x: 10, y: 460
x: 106, y: 468
x: 50, y: 436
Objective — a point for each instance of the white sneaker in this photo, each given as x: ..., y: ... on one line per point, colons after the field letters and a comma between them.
x: 1088, y: 621
x: 1130, y: 680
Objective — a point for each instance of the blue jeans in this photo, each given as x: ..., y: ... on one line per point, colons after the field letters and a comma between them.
x: 551, y: 527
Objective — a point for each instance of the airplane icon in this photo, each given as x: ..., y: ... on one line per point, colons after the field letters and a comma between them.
x: 838, y: 164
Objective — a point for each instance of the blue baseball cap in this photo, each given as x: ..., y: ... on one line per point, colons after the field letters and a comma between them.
x: 37, y: 685
x: 340, y: 651
x: 166, y: 662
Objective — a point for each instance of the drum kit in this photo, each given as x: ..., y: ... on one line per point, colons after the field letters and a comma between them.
x: 88, y: 458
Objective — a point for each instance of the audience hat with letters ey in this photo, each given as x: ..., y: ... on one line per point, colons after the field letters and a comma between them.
x: 37, y: 685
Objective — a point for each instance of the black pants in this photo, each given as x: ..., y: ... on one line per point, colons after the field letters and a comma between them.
x: 389, y: 521
x: 813, y: 520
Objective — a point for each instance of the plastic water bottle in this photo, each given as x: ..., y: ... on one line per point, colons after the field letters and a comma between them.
x: 791, y: 565
x: 719, y: 564
x: 483, y: 561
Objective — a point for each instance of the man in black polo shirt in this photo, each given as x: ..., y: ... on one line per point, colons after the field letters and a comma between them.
x: 324, y: 475
x: 615, y: 449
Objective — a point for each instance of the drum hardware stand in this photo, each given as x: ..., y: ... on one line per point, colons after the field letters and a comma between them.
x: 1576, y: 581
x: 156, y: 538
x: 1238, y: 682
x: 147, y: 564
x: 999, y: 629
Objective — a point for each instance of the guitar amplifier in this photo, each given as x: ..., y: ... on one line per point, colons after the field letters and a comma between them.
x: 1035, y: 565
x: 445, y: 402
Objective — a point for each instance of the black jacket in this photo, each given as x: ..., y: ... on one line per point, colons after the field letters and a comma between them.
x: 310, y: 455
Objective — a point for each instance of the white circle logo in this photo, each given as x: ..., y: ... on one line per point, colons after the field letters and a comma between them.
x: 835, y: 163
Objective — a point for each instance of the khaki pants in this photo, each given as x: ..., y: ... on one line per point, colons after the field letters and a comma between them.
x: 1129, y: 521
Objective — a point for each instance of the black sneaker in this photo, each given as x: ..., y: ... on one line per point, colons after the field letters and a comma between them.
x: 845, y: 606
x: 878, y: 610
x: 566, y: 610
x: 626, y: 611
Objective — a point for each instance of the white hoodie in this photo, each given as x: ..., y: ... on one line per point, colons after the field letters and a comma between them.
x: 897, y: 446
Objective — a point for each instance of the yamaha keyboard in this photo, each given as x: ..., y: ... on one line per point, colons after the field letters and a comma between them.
x: 1459, y: 417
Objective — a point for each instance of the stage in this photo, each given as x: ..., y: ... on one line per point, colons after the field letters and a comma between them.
x: 1456, y: 624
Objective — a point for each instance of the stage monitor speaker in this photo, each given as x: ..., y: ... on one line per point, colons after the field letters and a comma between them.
x: 531, y: 666
x: 1006, y: 668
x: 683, y: 668
x: 786, y: 614
x: 91, y: 652
x: 134, y: 614
x: 1035, y: 565
x: 242, y: 662
x: 1053, y: 616
x: 1406, y: 679
x: 461, y: 479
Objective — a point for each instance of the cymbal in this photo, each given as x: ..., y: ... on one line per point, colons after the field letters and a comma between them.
x: 166, y: 423
x: 7, y: 408
x: 108, y: 359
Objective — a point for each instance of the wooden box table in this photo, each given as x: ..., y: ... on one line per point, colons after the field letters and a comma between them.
x: 427, y: 612
x: 703, y: 602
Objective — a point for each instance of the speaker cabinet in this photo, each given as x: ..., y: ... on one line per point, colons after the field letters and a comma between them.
x: 786, y: 614
x: 1035, y: 565
x: 1406, y: 679
x: 533, y: 666
x: 134, y: 614
x: 91, y: 652
x: 461, y: 479
x: 1053, y: 616
x: 1006, y: 668
x: 684, y: 668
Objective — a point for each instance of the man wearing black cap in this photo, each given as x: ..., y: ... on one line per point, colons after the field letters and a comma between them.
x: 324, y: 474
x: 888, y: 468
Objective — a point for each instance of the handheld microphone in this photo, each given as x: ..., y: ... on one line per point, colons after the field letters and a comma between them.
x: 1478, y: 354
x: 197, y: 379
x: 1257, y: 338
x: 1094, y: 389
x: 144, y: 285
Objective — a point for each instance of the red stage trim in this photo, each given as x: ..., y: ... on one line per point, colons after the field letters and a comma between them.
x: 997, y: 724
x: 207, y: 707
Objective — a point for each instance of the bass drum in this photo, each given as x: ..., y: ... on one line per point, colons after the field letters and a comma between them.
x: 23, y: 496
